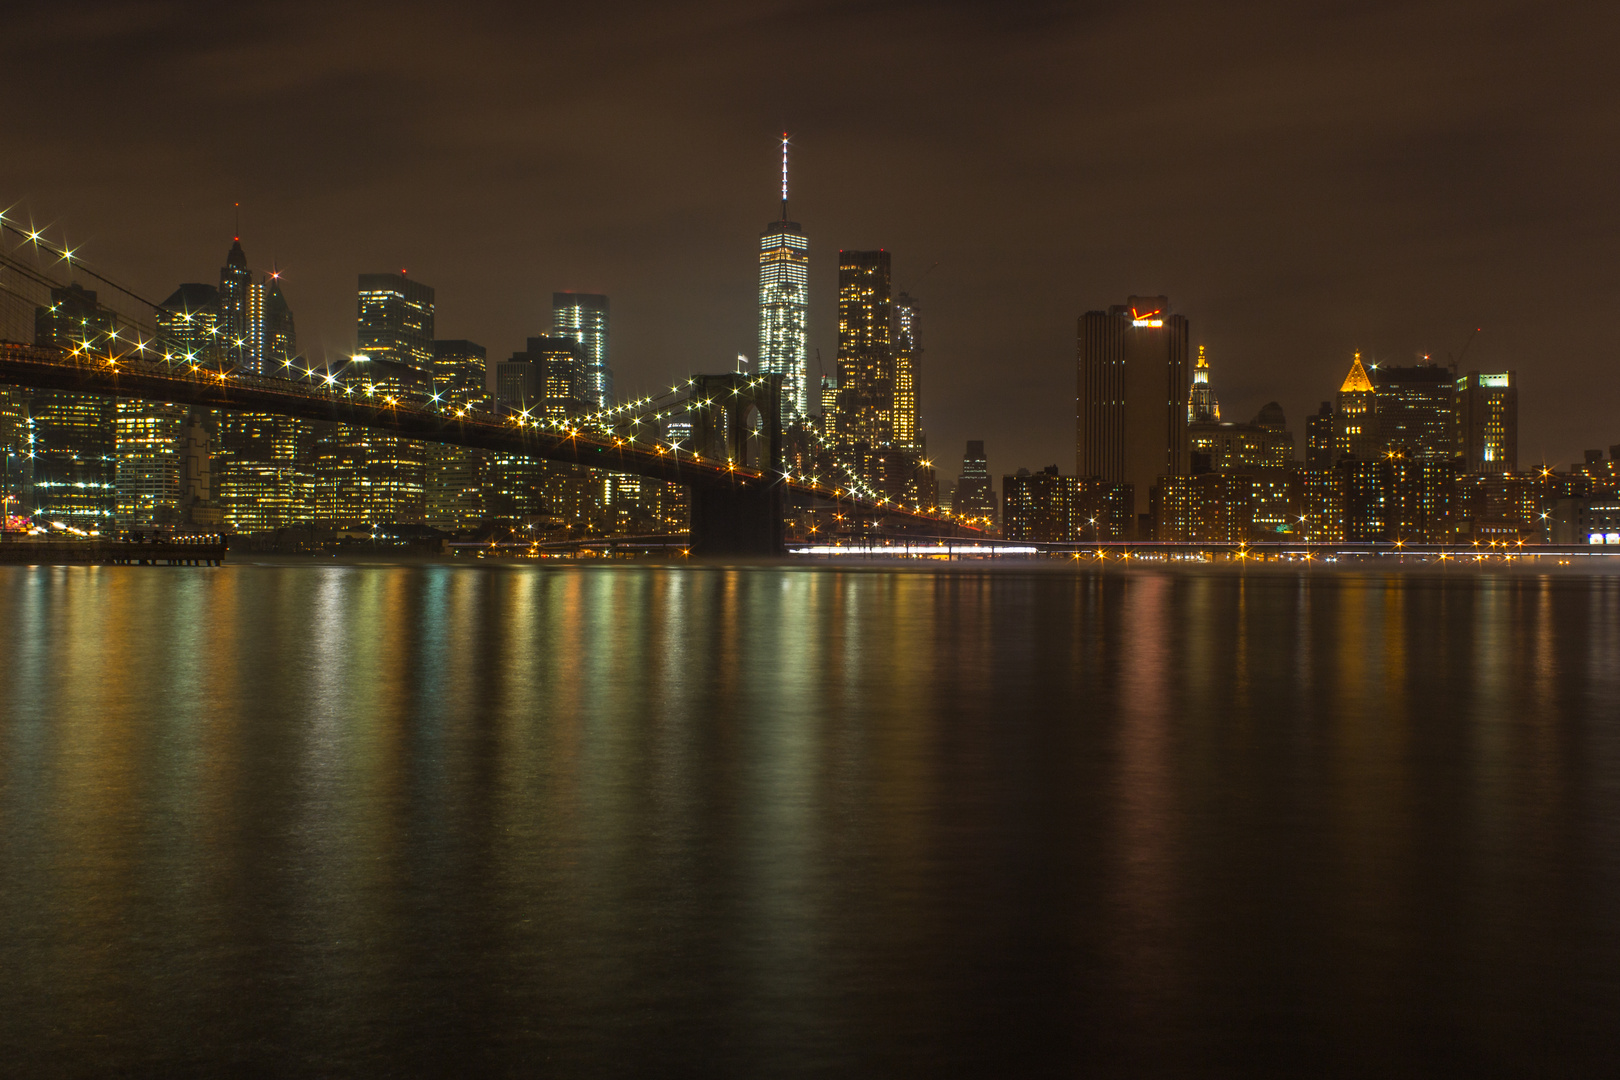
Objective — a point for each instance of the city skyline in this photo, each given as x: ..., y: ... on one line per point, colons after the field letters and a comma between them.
x: 1395, y: 198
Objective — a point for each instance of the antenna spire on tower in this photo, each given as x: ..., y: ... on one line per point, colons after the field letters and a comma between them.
x: 784, y: 175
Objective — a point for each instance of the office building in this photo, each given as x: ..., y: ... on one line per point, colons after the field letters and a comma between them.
x: 550, y: 378
x: 280, y: 336
x: 1488, y: 422
x: 241, y: 314
x: 784, y: 304
x: 16, y: 456
x: 907, y: 344
x: 1131, y: 422
x: 829, y: 407
x: 146, y: 449
x: 975, y: 495
x: 188, y: 325
x: 865, y: 356
x: 584, y: 317
x: 381, y: 475
x: 459, y: 374
x: 457, y: 482
x: 74, y: 465
x: 263, y: 469
x: 1416, y: 410
x: 396, y: 320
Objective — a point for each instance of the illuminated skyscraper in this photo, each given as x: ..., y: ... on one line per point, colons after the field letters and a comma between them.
x: 396, y: 320
x: 459, y: 373
x: 1202, y: 407
x: 584, y: 317
x: 236, y: 311
x: 865, y: 357
x: 74, y: 465
x: 1131, y: 422
x: 1488, y: 422
x: 263, y: 472
x: 146, y: 445
x: 1355, y: 427
x: 384, y: 475
x: 784, y: 299
x: 907, y: 365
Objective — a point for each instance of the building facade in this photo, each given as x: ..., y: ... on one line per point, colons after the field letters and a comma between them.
x: 865, y: 356
x: 1355, y: 411
x: 1133, y: 389
x: 784, y: 307
x: 584, y: 318
x: 975, y: 495
x: 1488, y: 422
x: 74, y: 445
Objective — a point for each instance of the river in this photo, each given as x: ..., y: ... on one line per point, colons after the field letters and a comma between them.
x: 640, y: 819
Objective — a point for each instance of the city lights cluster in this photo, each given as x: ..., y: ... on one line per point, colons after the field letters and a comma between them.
x: 129, y: 341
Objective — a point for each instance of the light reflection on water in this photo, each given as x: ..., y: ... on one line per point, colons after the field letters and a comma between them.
x: 360, y: 819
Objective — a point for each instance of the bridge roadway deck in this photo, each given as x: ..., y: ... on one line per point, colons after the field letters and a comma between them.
x: 129, y: 377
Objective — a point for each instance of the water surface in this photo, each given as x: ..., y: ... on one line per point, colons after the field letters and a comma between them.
x: 637, y: 819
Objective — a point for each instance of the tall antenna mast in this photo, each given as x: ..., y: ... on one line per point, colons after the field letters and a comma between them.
x: 784, y: 175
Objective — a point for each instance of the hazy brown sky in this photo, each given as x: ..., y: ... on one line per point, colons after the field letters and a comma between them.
x: 1301, y: 179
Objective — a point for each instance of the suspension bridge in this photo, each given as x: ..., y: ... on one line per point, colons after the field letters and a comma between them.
x: 741, y: 495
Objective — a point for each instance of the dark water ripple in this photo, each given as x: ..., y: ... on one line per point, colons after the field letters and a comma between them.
x: 636, y: 820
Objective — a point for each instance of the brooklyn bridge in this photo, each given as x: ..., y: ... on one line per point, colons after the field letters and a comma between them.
x: 741, y: 495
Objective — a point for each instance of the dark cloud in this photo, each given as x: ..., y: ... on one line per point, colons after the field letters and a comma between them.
x: 1302, y: 180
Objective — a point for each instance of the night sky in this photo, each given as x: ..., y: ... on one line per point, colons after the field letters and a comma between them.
x: 1300, y: 183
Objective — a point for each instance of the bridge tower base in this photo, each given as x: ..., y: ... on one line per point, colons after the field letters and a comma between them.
x: 738, y: 418
x: 746, y: 522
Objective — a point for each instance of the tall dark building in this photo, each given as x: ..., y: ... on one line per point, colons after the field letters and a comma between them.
x: 865, y: 356
x: 280, y: 336
x: 1488, y: 422
x: 584, y: 317
x: 1131, y: 417
x: 975, y: 497
x: 1416, y: 409
x: 1319, y: 449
